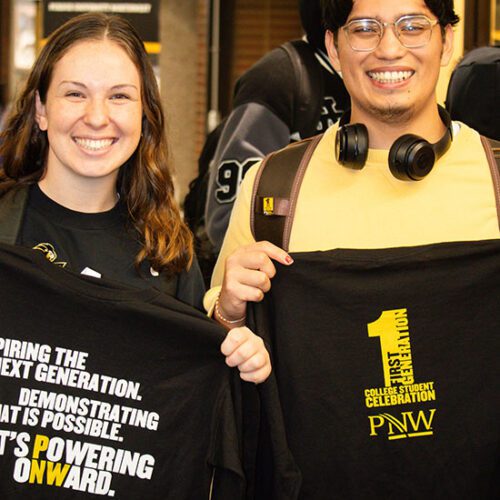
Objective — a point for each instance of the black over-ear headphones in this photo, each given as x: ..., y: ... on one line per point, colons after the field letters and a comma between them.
x: 411, y: 157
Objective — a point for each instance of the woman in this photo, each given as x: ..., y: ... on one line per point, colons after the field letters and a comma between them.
x: 85, y: 175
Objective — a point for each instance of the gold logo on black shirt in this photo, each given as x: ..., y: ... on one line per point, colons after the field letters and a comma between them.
x: 392, y: 329
x: 50, y: 253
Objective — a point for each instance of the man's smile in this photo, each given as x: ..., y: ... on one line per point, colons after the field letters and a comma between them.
x: 390, y: 76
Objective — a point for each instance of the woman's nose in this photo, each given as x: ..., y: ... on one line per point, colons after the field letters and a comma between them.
x: 96, y: 113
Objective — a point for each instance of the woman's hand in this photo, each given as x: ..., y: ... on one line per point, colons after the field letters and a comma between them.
x: 247, y: 351
x: 247, y: 277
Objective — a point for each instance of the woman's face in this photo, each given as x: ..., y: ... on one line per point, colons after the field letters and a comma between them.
x: 92, y: 114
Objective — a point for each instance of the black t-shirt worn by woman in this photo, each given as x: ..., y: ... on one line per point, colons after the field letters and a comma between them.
x: 99, y: 245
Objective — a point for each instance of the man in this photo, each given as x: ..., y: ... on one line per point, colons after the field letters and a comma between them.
x: 383, y: 322
x: 264, y: 118
x: 392, y: 91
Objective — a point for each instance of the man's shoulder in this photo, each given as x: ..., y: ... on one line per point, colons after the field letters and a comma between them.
x: 470, y: 148
x: 464, y: 135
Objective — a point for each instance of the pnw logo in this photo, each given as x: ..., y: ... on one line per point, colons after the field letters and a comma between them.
x: 411, y: 424
x: 392, y: 328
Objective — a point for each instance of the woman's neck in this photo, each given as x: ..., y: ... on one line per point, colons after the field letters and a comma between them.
x: 92, y: 197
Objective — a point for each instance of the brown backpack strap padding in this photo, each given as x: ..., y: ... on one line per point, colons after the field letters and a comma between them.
x: 492, y: 149
x: 276, y: 190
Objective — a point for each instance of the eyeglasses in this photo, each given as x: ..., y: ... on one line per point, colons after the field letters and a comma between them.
x: 364, y: 35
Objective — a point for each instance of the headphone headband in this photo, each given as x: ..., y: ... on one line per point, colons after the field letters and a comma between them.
x: 441, y: 146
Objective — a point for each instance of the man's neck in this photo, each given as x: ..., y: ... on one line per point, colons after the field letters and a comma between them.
x: 384, y: 132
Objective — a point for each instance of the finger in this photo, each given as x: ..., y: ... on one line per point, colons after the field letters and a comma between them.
x: 274, y: 252
x: 256, y: 362
x: 235, y: 338
x: 241, y: 354
x: 249, y: 356
x: 248, y: 277
x: 258, y: 256
x: 252, y: 260
x: 244, y: 350
x: 233, y: 297
x: 257, y: 377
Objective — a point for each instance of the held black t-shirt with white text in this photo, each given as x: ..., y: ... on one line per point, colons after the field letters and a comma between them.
x: 109, y: 391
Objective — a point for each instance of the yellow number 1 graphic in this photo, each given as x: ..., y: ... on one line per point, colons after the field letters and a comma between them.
x: 392, y: 328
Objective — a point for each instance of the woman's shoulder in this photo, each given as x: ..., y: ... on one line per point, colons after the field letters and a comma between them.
x: 190, y: 286
x: 13, y: 193
x: 12, y: 206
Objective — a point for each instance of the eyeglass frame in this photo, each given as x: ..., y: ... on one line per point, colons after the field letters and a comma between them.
x: 384, y: 25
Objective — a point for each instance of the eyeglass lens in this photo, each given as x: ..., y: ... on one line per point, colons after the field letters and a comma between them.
x: 412, y: 32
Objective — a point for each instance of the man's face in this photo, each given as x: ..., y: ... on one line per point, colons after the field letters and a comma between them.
x: 391, y: 83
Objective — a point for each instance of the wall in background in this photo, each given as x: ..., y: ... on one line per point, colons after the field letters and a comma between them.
x: 458, y: 52
x: 182, y: 83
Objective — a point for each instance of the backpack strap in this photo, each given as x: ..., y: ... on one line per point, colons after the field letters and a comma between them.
x: 276, y: 189
x: 309, y: 93
x: 492, y: 150
x: 280, y: 176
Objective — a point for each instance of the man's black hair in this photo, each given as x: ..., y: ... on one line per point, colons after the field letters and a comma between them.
x: 336, y: 12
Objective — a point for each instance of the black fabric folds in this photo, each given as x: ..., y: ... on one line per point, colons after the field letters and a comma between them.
x: 386, y: 371
x: 110, y: 392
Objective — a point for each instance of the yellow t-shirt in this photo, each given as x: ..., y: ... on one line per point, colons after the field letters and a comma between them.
x: 339, y: 207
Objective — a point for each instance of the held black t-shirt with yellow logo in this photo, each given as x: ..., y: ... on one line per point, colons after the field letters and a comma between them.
x: 386, y: 364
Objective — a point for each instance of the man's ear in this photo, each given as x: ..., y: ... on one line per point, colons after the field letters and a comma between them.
x: 40, y: 113
x: 447, y: 45
x: 332, y: 50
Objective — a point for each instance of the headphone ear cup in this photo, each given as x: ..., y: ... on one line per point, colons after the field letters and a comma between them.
x: 411, y: 158
x: 351, y: 145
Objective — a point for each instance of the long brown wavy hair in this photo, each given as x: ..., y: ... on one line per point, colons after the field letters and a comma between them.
x: 144, y: 182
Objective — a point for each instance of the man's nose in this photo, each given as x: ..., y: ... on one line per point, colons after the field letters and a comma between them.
x: 390, y: 47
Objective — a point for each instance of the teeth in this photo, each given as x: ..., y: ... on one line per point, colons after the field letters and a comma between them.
x: 390, y: 76
x: 93, y: 144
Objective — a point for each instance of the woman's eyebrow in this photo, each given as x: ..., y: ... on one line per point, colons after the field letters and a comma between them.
x: 114, y: 87
x: 70, y: 82
x: 124, y: 85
